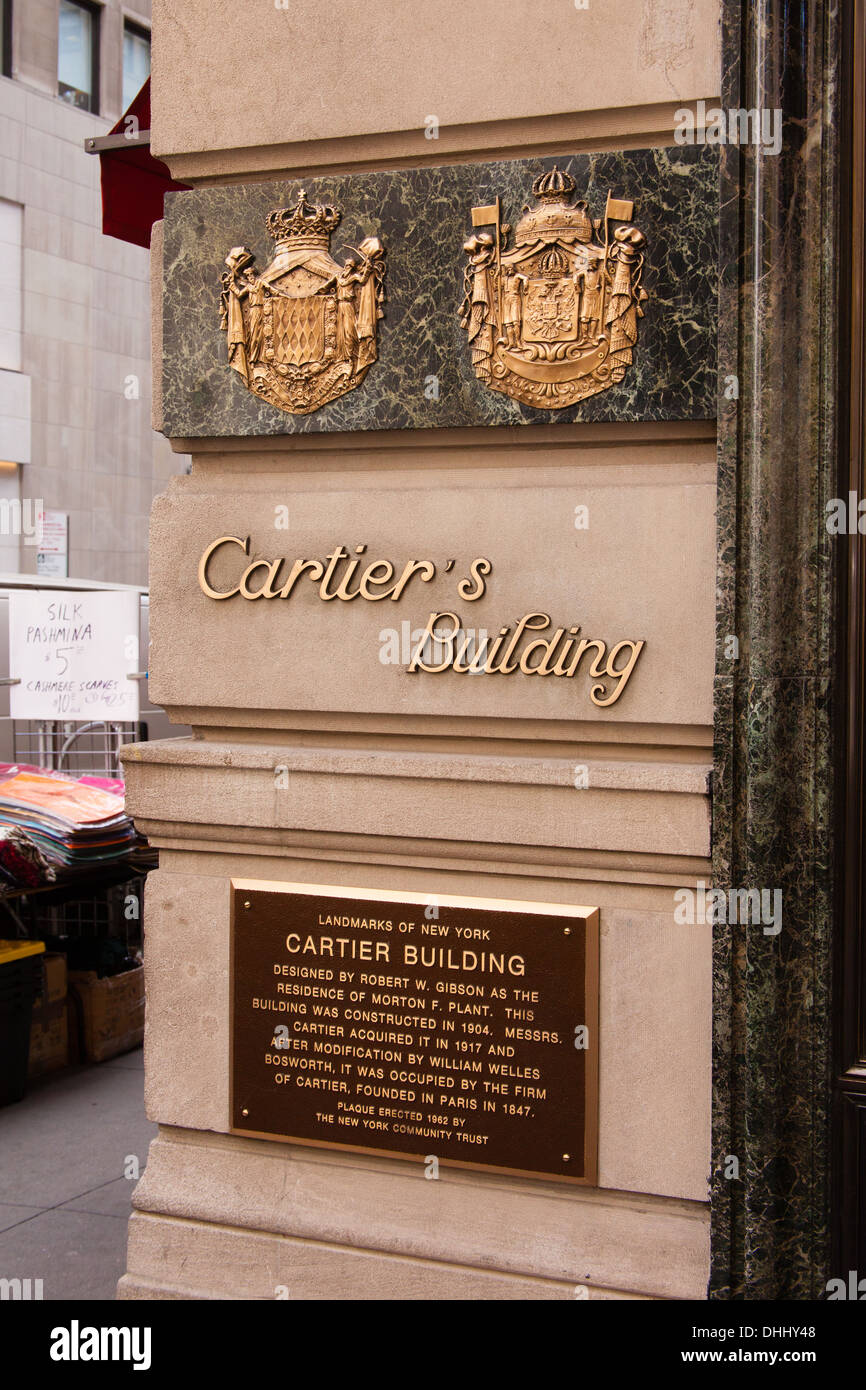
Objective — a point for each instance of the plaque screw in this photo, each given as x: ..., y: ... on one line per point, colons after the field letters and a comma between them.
x: 565, y: 1157
x: 567, y: 931
x: 246, y: 1112
x: 246, y: 904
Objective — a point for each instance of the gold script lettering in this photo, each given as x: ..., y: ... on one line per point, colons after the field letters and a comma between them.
x: 203, y: 564
x: 445, y: 645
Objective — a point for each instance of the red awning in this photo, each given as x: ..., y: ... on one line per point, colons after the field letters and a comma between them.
x: 133, y: 182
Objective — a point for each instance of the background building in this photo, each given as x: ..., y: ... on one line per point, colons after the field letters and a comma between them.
x: 75, y: 432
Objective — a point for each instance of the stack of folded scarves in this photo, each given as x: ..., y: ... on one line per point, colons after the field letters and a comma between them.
x: 78, y: 826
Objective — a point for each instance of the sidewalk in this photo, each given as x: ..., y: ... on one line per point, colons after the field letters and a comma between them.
x: 64, y: 1200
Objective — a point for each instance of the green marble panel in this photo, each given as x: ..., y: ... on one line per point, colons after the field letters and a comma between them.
x: 775, y: 783
x: 423, y: 217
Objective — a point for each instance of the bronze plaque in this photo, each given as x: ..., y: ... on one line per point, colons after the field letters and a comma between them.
x: 460, y: 1029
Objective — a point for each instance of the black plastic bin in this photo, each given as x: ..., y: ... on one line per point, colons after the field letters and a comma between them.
x: 20, y: 983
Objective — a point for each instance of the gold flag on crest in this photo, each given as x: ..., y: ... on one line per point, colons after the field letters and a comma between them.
x: 619, y: 209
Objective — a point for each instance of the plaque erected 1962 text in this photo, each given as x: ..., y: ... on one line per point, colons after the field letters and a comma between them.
x: 459, y: 1028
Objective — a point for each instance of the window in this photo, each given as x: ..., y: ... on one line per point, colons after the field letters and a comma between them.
x: 78, y: 55
x: 10, y: 285
x: 6, y: 38
x: 136, y: 61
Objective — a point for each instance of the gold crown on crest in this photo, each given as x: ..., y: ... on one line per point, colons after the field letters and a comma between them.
x: 554, y: 186
x: 303, y: 220
x: 554, y: 214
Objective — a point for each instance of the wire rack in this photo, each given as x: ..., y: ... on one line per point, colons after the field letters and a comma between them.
x: 113, y: 910
x: 72, y: 747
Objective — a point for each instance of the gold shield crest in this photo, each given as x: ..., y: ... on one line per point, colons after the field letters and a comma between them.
x: 552, y: 317
x: 303, y: 331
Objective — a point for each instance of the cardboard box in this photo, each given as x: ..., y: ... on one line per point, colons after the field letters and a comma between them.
x: 49, y: 1028
x: 49, y: 1038
x: 54, y: 966
x: 112, y: 1012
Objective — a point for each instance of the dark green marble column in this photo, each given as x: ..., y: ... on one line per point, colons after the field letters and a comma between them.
x: 773, y: 784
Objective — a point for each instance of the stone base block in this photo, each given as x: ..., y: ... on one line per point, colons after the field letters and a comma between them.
x: 172, y: 1259
x: 220, y: 1217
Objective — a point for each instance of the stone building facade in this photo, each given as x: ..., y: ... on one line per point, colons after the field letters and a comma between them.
x: 730, y: 1096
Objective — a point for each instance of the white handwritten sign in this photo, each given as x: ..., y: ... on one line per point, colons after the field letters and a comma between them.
x: 73, y: 653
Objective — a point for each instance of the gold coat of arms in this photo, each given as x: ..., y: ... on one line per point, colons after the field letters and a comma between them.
x: 553, y: 318
x: 303, y: 332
